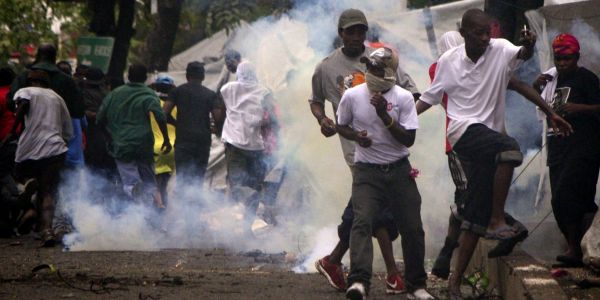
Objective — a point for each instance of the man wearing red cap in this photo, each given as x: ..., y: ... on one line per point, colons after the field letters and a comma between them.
x: 574, y: 161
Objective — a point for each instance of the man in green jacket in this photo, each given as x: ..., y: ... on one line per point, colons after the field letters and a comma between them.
x: 125, y: 116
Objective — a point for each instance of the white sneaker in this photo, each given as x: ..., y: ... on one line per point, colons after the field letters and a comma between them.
x: 356, y: 292
x: 420, y: 294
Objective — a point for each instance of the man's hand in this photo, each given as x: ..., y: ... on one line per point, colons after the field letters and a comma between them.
x: 327, y: 127
x: 527, y: 38
x: 362, y: 139
x: 541, y: 80
x: 166, y: 147
x: 380, y: 104
x: 560, y: 125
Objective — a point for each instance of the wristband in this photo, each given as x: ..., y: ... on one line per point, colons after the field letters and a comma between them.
x: 390, y: 125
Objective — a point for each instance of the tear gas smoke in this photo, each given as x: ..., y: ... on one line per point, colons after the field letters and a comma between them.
x: 317, y: 185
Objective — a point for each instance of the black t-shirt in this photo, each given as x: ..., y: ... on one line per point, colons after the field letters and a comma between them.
x: 583, y: 88
x: 194, y: 103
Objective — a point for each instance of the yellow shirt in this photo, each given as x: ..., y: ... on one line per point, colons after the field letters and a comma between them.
x: 163, y: 163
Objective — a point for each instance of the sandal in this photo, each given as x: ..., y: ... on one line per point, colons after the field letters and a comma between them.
x: 502, y: 233
x: 505, y: 246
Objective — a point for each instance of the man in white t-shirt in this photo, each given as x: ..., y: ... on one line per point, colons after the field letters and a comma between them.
x: 42, y: 145
x: 338, y: 72
x: 475, y: 76
x: 381, y: 118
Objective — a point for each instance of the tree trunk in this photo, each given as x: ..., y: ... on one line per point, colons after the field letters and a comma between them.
x: 103, y: 17
x: 159, y: 45
x: 123, y: 35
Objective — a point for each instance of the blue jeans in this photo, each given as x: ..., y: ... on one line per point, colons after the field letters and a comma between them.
x: 140, y: 174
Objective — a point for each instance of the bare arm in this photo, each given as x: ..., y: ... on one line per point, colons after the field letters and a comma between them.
x: 20, y: 112
x: 327, y: 125
x: 167, y: 109
x: 219, y: 113
x: 422, y: 106
x: 162, y: 125
x: 403, y: 136
x: 557, y: 122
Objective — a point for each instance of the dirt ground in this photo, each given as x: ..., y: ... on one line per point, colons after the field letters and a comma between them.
x: 165, y: 274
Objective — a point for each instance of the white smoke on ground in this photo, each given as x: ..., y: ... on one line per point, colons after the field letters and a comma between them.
x: 317, y: 187
x: 285, y: 52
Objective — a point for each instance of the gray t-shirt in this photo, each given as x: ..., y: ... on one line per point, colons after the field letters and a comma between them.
x: 47, y: 124
x: 337, y: 73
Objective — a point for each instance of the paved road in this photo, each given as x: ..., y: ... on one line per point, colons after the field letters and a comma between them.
x: 165, y: 274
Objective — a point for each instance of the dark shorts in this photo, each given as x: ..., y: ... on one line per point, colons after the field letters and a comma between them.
x: 37, y: 168
x: 45, y: 170
x: 483, y: 148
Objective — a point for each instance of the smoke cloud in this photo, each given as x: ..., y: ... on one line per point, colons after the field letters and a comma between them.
x: 317, y: 183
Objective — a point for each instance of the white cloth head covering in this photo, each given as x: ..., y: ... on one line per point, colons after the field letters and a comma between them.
x: 246, y: 73
x: 449, y: 40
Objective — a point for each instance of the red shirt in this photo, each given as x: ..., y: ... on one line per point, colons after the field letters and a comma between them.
x: 7, y: 117
x: 444, y: 103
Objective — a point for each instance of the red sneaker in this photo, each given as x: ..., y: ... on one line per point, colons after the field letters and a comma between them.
x: 394, y: 284
x: 333, y: 273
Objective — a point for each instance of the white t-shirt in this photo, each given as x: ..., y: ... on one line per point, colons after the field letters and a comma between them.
x: 47, y: 124
x: 476, y: 91
x: 356, y: 110
x: 337, y: 73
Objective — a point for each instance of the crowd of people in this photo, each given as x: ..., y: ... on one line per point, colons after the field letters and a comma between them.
x: 56, y: 123
x: 377, y: 119
x: 52, y: 121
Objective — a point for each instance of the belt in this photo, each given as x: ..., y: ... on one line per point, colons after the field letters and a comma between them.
x: 383, y: 167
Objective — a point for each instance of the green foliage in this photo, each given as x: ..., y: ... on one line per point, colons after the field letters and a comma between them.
x: 228, y: 14
x: 29, y: 22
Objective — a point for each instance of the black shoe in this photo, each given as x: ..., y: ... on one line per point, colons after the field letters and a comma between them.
x: 441, y: 267
x: 566, y: 261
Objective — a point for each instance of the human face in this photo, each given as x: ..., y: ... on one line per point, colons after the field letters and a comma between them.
x: 231, y: 64
x: 477, y: 36
x: 566, y: 63
x: 353, y: 39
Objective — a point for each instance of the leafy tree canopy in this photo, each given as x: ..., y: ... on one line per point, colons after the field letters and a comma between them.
x: 29, y: 22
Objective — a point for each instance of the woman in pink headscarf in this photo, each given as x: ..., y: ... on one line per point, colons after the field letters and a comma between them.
x: 574, y: 161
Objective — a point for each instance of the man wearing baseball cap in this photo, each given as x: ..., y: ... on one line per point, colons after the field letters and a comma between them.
x: 340, y: 70
x: 381, y: 118
x: 573, y: 160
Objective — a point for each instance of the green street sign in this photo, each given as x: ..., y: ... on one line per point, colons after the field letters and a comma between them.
x: 95, y: 51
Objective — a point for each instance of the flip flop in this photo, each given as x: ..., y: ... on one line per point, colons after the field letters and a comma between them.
x: 502, y: 233
x: 506, y: 246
